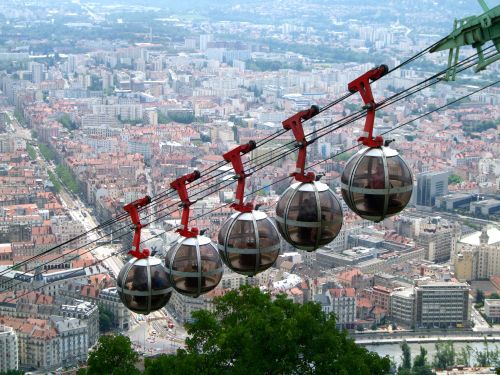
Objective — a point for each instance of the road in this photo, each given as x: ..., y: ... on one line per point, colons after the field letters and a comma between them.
x: 480, y: 324
x: 150, y: 335
x: 74, y: 205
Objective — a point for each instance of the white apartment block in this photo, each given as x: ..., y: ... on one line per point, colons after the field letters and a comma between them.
x: 47, y: 344
x: 84, y: 311
x: 65, y: 229
x: 478, y: 255
x: 110, y: 299
x: 73, y: 339
x: 8, y: 349
x: 492, y: 309
x: 125, y: 111
x: 402, y: 304
x: 341, y: 302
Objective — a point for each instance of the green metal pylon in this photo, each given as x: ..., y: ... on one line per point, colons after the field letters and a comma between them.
x: 474, y: 31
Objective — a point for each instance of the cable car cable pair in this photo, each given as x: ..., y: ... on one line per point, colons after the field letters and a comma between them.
x: 393, y: 97
x: 381, y: 102
x: 317, y: 163
x: 161, y: 195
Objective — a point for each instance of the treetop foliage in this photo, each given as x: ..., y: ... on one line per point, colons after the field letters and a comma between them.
x: 252, y: 334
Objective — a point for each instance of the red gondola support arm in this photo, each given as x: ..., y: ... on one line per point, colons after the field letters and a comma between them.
x: 180, y: 186
x: 132, y: 209
x: 234, y: 157
x: 295, y: 123
x: 362, y: 85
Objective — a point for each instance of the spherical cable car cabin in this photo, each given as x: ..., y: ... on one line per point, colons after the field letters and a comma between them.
x: 193, y: 262
x: 249, y: 242
x: 308, y: 214
x: 142, y: 283
x: 376, y: 182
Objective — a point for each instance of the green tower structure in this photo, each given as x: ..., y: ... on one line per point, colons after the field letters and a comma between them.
x: 474, y: 31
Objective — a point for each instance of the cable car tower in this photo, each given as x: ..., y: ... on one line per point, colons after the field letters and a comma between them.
x: 474, y: 31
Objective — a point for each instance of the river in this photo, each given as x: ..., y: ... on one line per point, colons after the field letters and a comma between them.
x: 394, y: 350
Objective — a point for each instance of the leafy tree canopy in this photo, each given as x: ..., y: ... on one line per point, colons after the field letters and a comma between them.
x: 251, y: 334
x: 454, y: 179
x: 113, y: 355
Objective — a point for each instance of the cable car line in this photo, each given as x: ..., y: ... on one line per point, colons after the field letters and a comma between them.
x: 345, y: 121
x: 282, y: 179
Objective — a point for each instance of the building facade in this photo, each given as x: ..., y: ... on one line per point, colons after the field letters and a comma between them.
x: 442, y: 304
x: 8, y: 349
x: 431, y: 185
x: 439, y: 239
x: 492, y: 309
x: 478, y: 255
x: 341, y: 302
x: 403, y: 306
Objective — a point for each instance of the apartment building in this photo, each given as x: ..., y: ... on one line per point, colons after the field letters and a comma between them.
x: 478, y: 255
x: 8, y: 349
x: 442, y: 304
x: 403, y: 306
x: 341, y: 302
x: 439, y: 238
x: 47, y: 344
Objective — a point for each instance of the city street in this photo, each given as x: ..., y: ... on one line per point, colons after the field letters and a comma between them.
x: 151, y: 335
x: 480, y: 324
x: 76, y: 208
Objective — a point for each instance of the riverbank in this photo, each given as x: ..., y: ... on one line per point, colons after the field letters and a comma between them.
x: 431, y: 339
x: 394, y: 352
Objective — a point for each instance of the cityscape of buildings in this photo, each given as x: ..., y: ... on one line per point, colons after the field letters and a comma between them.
x: 101, y: 105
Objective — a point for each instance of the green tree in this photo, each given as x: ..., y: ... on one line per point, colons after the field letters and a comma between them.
x: 406, y: 357
x: 113, y: 355
x: 12, y: 372
x: 487, y: 357
x: 105, y: 319
x: 162, y: 118
x: 251, y: 334
x: 479, y: 296
x: 46, y: 152
x: 464, y: 356
x: 31, y: 152
x: 445, y: 355
x: 67, y: 178
x: 345, y: 156
x: 55, y: 181
x: 20, y: 117
x: 65, y: 120
x: 420, y: 365
x: 183, y: 117
x: 454, y: 179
